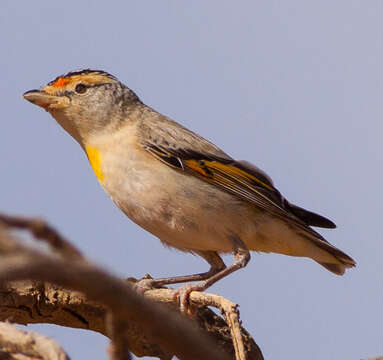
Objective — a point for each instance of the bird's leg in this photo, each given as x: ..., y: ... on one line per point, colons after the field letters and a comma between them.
x: 241, y: 256
x: 216, y: 265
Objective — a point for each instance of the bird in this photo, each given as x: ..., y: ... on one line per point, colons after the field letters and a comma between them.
x: 179, y: 186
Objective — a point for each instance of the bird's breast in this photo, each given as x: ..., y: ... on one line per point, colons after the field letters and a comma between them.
x: 182, y: 210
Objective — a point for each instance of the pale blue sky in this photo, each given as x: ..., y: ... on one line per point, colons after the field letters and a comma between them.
x: 292, y: 86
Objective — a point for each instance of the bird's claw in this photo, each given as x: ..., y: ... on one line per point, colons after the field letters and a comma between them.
x: 182, y: 298
x: 143, y: 285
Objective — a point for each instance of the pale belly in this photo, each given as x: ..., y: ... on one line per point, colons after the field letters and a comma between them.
x: 189, y: 214
x: 182, y: 210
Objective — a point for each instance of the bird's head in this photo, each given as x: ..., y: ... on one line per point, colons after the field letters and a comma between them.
x: 84, y: 102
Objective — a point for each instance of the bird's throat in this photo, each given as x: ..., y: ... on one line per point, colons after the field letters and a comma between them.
x: 94, y: 157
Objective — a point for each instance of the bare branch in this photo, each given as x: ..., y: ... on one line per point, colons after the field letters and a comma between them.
x: 176, y: 334
x: 110, y: 306
x: 31, y: 302
x: 30, y: 345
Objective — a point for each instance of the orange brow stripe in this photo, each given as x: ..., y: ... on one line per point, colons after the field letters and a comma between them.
x: 61, y: 82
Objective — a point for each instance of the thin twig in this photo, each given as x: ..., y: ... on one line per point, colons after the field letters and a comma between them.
x: 228, y: 308
x: 42, y: 231
x: 231, y: 314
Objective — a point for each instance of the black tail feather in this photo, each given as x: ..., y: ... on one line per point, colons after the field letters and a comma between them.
x: 311, y: 218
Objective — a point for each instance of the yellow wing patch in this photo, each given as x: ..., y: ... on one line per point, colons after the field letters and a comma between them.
x: 235, y: 172
x: 210, y: 169
x: 199, y: 167
x: 95, y: 161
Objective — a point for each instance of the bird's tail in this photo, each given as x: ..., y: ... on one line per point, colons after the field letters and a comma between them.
x: 341, y: 260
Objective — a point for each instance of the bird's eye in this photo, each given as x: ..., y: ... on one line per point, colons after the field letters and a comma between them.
x: 80, y: 89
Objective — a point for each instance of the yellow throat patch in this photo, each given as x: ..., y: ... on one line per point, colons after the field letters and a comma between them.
x: 95, y: 161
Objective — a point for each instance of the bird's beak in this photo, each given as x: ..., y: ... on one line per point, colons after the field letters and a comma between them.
x: 45, y: 100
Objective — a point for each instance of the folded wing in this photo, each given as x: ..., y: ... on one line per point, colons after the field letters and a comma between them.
x: 241, y: 179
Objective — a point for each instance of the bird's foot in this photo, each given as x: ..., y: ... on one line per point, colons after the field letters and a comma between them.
x: 144, y: 284
x: 182, y: 298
